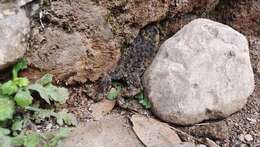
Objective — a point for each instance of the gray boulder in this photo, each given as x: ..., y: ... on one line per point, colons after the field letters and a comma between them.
x: 202, y: 72
x: 14, y: 26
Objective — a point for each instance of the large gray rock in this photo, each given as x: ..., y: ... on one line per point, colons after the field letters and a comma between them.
x: 14, y: 26
x: 202, y: 72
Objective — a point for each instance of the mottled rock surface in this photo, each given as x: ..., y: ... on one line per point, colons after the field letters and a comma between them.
x: 202, y: 72
x: 76, y: 43
x: 14, y: 28
x: 138, y: 55
x: 185, y: 6
x: 243, y: 15
x: 214, y: 130
x: 128, y: 17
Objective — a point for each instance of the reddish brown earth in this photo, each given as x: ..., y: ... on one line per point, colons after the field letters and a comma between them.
x: 76, y: 44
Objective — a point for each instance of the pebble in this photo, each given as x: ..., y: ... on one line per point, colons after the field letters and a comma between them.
x: 49, y: 126
x: 252, y: 120
x: 241, y: 137
x: 201, y: 145
x: 243, y: 145
x: 211, y: 143
x: 248, y: 137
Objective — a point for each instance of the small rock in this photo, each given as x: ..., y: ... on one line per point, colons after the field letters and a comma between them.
x: 102, y: 108
x: 203, y: 72
x: 248, y: 137
x: 251, y: 120
x: 211, y: 143
x: 49, y: 126
x: 14, y: 28
x: 215, y: 130
x: 243, y: 145
x: 241, y: 137
x: 201, y: 145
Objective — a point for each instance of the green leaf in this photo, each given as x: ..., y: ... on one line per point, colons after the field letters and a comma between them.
x: 18, y: 124
x: 22, y: 64
x: 32, y: 140
x: 41, y: 90
x: 114, y: 91
x: 61, y: 117
x: 51, y: 92
x: 118, y: 86
x: 57, y: 94
x: 4, y: 131
x: 9, y: 88
x: 21, y: 82
x: 4, y: 97
x: 112, y: 95
x: 140, y: 96
x: 23, y: 98
x: 1, y: 89
x: 143, y: 100
x: 65, y: 117
x: 27, y: 140
x: 5, y: 141
x: 42, y: 114
x: 34, y: 109
x: 146, y: 103
x: 18, y: 140
x: 6, y: 109
x: 48, y: 91
x: 63, y: 133
x: 45, y: 80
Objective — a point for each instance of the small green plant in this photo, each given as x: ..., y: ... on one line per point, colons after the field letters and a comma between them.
x: 117, y: 88
x: 17, y: 111
x: 115, y: 91
x: 143, y: 100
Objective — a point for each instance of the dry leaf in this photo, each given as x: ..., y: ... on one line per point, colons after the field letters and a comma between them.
x: 102, y: 108
x: 154, y: 133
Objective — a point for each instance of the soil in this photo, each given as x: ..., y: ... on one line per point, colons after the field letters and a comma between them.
x: 72, y: 41
x: 139, y: 41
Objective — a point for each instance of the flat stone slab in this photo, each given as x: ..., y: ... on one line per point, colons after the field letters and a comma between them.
x: 112, y: 131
